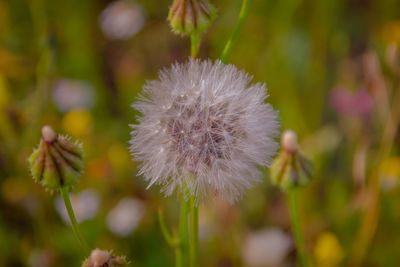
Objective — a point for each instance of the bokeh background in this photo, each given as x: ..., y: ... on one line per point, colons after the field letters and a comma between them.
x: 332, y: 69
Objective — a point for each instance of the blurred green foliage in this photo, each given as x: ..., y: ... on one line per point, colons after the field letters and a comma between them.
x: 300, y: 48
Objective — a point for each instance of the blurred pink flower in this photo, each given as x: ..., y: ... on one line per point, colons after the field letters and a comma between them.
x: 346, y: 102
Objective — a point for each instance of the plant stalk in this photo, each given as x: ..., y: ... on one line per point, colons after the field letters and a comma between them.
x: 244, y: 11
x: 184, y: 232
x: 194, y: 45
x: 295, y: 220
x: 194, y: 233
x: 65, y: 195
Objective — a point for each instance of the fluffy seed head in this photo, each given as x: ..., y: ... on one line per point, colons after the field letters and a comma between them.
x: 204, y: 127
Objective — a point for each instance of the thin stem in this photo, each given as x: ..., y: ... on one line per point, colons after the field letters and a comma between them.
x: 194, y: 44
x: 244, y: 11
x: 294, y: 215
x: 171, y: 240
x: 184, y: 232
x: 178, y: 257
x: 65, y: 195
x: 194, y: 233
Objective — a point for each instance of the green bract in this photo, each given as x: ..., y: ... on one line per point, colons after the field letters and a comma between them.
x: 291, y: 170
x: 191, y: 16
x: 57, y: 162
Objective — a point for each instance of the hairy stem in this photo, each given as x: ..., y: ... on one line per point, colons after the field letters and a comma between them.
x: 65, y: 195
x: 244, y: 11
x: 294, y: 215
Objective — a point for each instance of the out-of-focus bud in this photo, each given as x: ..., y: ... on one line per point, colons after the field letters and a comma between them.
x: 291, y: 169
x: 191, y: 16
x: 57, y: 162
x: 101, y: 258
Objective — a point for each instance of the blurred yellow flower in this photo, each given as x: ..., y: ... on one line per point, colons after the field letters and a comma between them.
x: 391, y: 32
x: 118, y: 156
x: 77, y: 123
x: 390, y: 173
x: 327, y: 250
x: 391, y: 167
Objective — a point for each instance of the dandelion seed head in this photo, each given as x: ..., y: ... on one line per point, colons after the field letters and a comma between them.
x: 215, y: 133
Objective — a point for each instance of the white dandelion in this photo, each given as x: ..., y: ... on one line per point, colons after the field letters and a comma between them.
x: 204, y: 127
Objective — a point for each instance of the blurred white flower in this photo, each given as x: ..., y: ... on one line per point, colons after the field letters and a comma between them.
x: 125, y: 216
x: 73, y: 94
x: 122, y: 19
x: 85, y: 205
x: 266, y: 248
x: 41, y: 258
x: 204, y: 126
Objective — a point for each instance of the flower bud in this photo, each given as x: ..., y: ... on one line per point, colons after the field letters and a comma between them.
x: 291, y: 169
x: 289, y: 141
x: 191, y: 16
x: 56, y: 162
x: 100, y: 258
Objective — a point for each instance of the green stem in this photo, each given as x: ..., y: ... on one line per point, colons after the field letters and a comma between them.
x: 65, y: 195
x: 294, y: 215
x: 194, y: 44
x: 171, y: 240
x: 194, y: 233
x: 244, y: 11
x: 178, y: 256
x: 184, y: 232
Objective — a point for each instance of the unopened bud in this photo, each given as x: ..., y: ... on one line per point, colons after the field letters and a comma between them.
x: 289, y: 141
x: 290, y: 168
x: 56, y: 162
x: 48, y: 134
x: 191, y: 16
x: 101, y: 258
